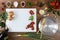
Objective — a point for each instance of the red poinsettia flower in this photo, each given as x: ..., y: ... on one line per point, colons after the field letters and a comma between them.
x: 55, y: 4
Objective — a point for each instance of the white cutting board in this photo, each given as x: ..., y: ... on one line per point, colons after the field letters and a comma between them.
x: 19, y: 23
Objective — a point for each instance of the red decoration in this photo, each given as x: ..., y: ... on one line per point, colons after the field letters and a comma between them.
x: 31, y: 12
x: 4, y: 6
x: 3, y: 3
x: 55, y: 4
x: 3, y: 9
x: 31, y: 25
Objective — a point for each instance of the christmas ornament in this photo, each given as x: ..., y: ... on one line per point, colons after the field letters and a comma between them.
x: 22, y: 3
x: 42, y: 12
x: 8, y: 4
x: 15, y: 4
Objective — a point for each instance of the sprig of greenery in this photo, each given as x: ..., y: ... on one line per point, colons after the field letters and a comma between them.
x: 36, y: 36
x: 31, y: 18
x: 4, y: 16
x: 50, y: 9
x: 6, y: 38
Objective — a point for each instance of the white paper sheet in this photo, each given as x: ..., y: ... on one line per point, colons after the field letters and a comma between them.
x: 21, y: 19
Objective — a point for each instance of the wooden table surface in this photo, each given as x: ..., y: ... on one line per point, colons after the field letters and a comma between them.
x: 11, y: 35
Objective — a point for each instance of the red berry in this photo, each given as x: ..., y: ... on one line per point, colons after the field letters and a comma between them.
x: 3, y: 9
x: 3, y: 3
x: 32, y: 22
x: 31, y: 12
x: 31, y: 25
x: 32, y: 28
x: 27, y: 26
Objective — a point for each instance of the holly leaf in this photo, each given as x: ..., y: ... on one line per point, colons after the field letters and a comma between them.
x: 49, y: 10
x: 31, y: 18
x: 54, y: 12
x: 4, y: 16
x: 49, y: 7
x: 2, y: 24
x: 29, y: 4
x: 58, y: 13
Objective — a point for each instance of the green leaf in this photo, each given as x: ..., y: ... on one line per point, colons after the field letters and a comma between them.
x: 4, y: 16
x: 37, y: 36
x: 54, y: 12
x: 58, y: 13
x: 31, y: 18
x: 29, y: 4
x: 49, y: 10
x: 5, y: 38
x: 34, y: 35
x: 2, y: 24
x: 49, y: 7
